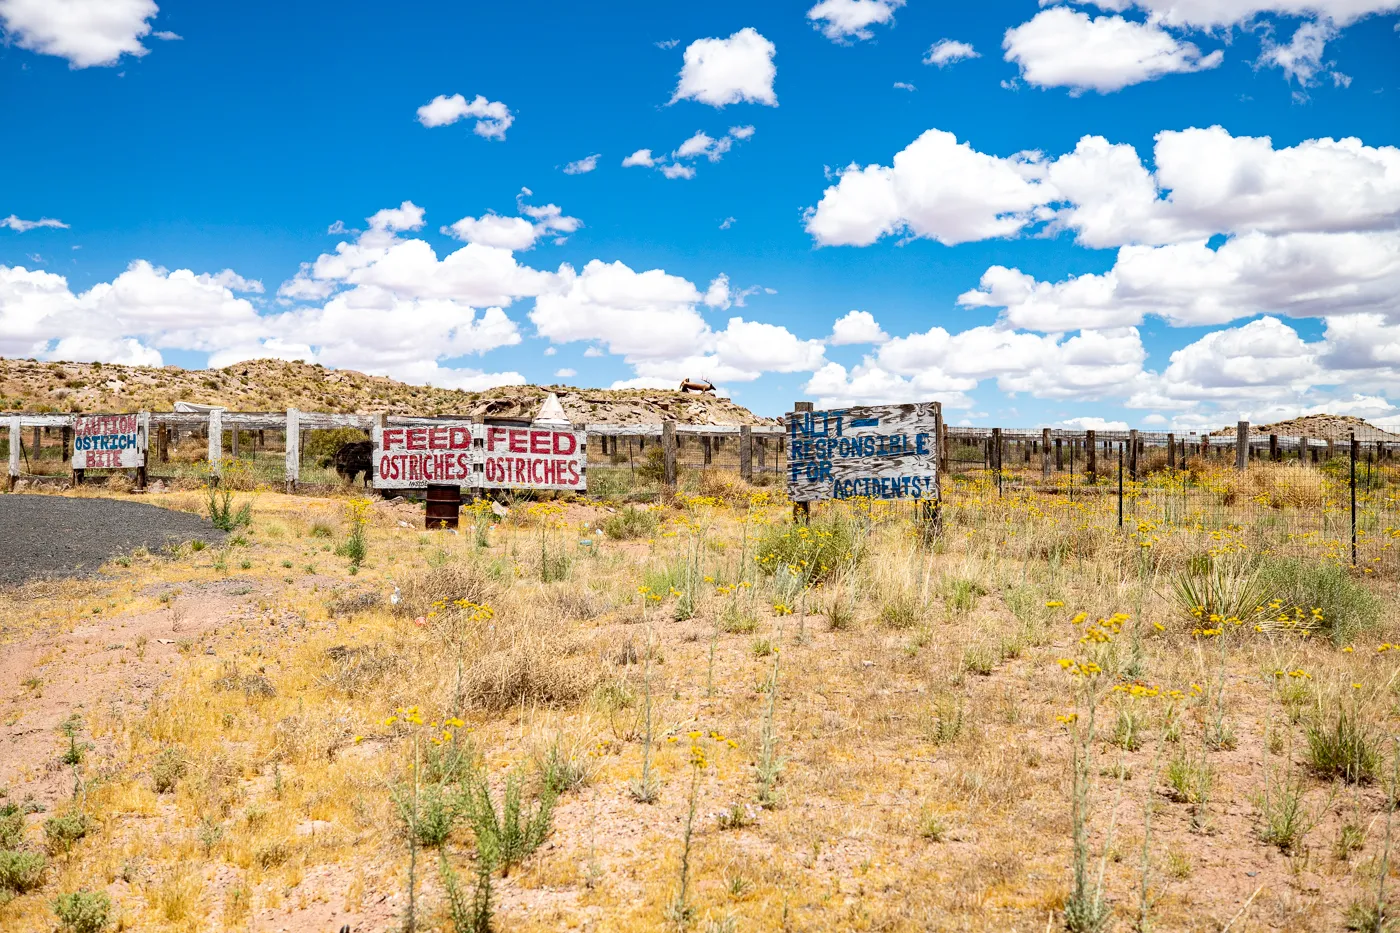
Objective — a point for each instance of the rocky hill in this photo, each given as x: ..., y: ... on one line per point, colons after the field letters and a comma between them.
x: 275, y: 385
x: 1323, y: 427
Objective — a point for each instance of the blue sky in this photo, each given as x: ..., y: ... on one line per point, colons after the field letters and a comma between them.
x: 175, y: 142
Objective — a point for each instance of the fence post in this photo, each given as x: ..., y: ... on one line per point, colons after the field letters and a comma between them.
x: 745, y: 452
x: 1273, y: 447
x: 1355, y: 445
x: 941, y: 430
x: 1303, y: 444
x: 802, y: 511
x: 67, y: 442
x: 1045, y: 453
x: 705, y: 444
x: 996, y: 449
x: 143, y: 422
x: 292, y: 470
x: 1091, y: 456
x: 668, y: 452
x: 233, y: 439
x: 1241, y: 445
x: 1133, y: 455
x: 216, y: 439
x: 1120, y: 484
x: 14, y: 452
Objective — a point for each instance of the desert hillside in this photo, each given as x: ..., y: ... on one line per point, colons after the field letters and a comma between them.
x: 1323, y: 426
x: 272, y: 385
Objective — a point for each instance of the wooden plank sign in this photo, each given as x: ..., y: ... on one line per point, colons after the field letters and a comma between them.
x: 545, y: 455
x: 411, y: 456
x: 880, y: 451
x: 110, y: 442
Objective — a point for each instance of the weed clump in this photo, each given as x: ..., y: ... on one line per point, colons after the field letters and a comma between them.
x: 631, y: 522
x: 1343, y: 747
x: 83, y: 911
x: 1330, y: 599
x: 815, y: 551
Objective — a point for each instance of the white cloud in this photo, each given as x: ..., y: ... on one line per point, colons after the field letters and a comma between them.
x: 493, y: 118
x: 1209, y: 14
x: 582, y: 166
x: 1060, y: 47
x: 741, y: 132
x: 232, y: 281
x: 704, y: 144
x: 166, y: 35
x: 1189, y: 284
x: 856, y: 327
x: 676, y: 170
x: 1154, y: 419
x: 565, y: 373
x: 936, y: 188
x: 949, y: 51
x: 726, y: 223
x: 640, y: 157
x: 904, y: 86
x: 719, y: 72
x: 512, y: 233
x: 667, y: 43
x: 24, y: 226
x: 717, y: 295
x: 1205, y: 182
x: 843, y: 20
x: 1095, y: 423
x: 85, y: 32
x: 868, y: 384
x: 1301, y: 58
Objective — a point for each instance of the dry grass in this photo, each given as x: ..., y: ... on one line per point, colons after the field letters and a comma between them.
x: 924, y: 744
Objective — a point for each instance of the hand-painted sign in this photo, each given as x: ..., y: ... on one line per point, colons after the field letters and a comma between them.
x: 880, y: 451
x: 542, y: 456
x: 406, y: 456
x: 110, y: 442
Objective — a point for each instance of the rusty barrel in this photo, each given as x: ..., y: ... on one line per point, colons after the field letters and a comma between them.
x: 443, y: 505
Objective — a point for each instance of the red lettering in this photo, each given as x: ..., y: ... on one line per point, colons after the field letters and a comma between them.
x: 437, y: 438
x: 517, y: 442
x: 494, y: 434
x: 417, y: 438
x: 459, y: 438
x: 573, y: 473
x: 565, y: 444
x: 522, y: 474
x: 539, y: 442
x: 464, y: 464
x: 392, y: 437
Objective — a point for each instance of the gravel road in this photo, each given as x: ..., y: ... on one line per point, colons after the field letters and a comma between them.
x: 43, y: 537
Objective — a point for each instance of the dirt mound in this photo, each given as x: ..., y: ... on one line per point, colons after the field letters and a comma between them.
x: 1322, y: 427
x: 275, y: 385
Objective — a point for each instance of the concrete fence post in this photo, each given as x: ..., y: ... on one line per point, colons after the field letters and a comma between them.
x: 216, y: 439
x: 293, y: 467
x: 14, y: 451
x: 668, y: 452
x: 745, y: 452
x: 1242, y: 445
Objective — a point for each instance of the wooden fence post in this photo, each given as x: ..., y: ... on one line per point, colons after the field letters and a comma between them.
x: 1045, y: 453
x: 1059, y: 454
x: 941, y: 430
x: 995, y: 452
x: 745, y: 452
x: 1133, y: 455
x: 1273, y: 448
x: 668, y: 452
x: 1091, y: 456
x: 705, y: 446
x: 1304, y: 443
x: 14, y: 452
x: 67, y: 442
x: 143, y: 427
x: 1331, y: 447
x: 1171, y: 451
x: 802, y: 511
x: 293, y: 445
x: 216, y: 439
x: 1242, y: 445
x: 233, y: 439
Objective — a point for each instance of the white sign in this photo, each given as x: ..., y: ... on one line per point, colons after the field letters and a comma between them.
x: 878, y: 451
x: 407, y: 456
x: 110, y: 442
x: 542, y: 456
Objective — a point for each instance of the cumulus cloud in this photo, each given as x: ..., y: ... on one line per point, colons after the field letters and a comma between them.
x: 493, y: 118
x: 1301, y: 59
x: 1205, y: 182
x: 736, y: 70
x: 844, y: 20
x: 85, y: 32
x: 640, y: 157
x: 904, y: 86
x: 856, y: 327
x: 1094, y: 423
x: 582, y: 166
x: 949, y: 51
x: 1210, y: 14
x: 24, y: 226
x: 515, y: 233
x: 1060, y: 47
x: 677, y: 170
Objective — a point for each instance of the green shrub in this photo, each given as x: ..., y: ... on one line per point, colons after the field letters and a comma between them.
x: 1211, y: 587
x: 506, y: 837
x: 321, y: 445
x: 631, y: 522
x: 62, y: 831
x: 1347, y: 608
x: 901, y: 611
x: 11, y: 826
x: 652, y: 469
x: 1343, y: 747
x: 21, y: 871
x: 167, y: 770
x: 83, y: 911
x: 814, y: 551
